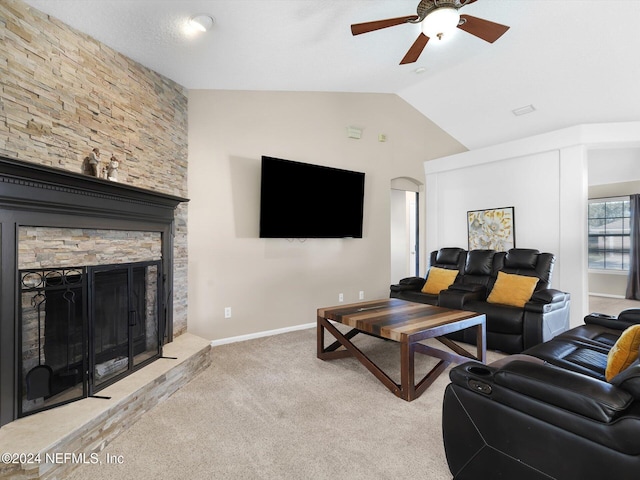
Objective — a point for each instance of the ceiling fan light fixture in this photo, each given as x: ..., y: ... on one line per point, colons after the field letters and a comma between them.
x: 201, y: 22
x: 440, y: 22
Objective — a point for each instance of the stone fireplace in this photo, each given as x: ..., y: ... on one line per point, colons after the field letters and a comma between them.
x: 89, y: 263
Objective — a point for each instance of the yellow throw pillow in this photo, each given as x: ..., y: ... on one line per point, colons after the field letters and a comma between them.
x: 624, y: 352
x: 439, y: 279
x: 512, y: 289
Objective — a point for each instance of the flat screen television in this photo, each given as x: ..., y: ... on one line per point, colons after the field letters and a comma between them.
x: 301, y: 200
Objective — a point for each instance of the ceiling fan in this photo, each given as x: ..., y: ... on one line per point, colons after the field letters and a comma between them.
x: 437, y: 18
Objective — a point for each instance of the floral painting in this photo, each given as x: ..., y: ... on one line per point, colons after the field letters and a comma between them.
x: 491, y: 229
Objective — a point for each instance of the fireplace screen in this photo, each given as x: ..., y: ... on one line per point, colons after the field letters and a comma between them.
x: 84, y: 328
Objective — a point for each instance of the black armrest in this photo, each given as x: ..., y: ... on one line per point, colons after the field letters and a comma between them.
x: 548, y: 295
x: 568, y: 390
x: 405, y: 288
x: 409, y: 283
x: 546, y: 300
x: 624, y: 320
x: 468, y: 287
x: 456, y: 297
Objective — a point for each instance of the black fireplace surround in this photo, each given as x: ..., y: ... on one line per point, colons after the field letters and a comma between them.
x: 86, y: 353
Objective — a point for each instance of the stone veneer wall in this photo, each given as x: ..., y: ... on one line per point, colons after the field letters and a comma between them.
x: 45, y: 247
x: 64, y: 93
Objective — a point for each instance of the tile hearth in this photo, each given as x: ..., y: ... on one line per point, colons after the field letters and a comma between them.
x: 77, y: 432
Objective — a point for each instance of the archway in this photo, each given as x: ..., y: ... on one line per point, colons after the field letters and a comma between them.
x: 405, y: 228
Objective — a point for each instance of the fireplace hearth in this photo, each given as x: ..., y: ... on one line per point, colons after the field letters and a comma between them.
x: 68, y: 331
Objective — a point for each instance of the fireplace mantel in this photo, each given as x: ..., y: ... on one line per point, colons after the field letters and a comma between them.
x: 31, y: 186
x: 37, y: 195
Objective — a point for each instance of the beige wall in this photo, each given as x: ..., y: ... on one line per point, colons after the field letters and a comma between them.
x: 277, y: 283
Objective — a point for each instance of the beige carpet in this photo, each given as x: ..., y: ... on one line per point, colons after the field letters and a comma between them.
x: 269, y: 409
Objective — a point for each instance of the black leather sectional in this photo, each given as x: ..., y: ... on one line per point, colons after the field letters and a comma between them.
x: 509, y: 329
x: 548, y: 413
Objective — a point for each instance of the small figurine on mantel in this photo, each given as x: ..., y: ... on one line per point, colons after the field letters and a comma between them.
x: 94, y: 162
x: 112, y: 170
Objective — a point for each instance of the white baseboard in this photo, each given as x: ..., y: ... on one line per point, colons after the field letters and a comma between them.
x: 607, y: 295
x: 267, y: 333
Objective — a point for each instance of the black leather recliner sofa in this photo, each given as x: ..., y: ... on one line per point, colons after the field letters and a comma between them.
x: 548, y: 413
x: 510, y: 329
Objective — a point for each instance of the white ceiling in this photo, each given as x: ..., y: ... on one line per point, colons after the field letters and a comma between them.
x: 576, y: 61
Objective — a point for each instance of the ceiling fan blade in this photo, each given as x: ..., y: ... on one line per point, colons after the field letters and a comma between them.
x: 359, y: 28
x: 484, y: 29
x: 416, y: 49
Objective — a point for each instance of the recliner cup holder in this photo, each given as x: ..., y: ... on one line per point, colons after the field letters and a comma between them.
x: 481, y: 371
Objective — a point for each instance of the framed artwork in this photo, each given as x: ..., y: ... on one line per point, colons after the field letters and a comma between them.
x: 492, y: 229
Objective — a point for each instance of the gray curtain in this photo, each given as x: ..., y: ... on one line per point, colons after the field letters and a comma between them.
x: 633, y: 284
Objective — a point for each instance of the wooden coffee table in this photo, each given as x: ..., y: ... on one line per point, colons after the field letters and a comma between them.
x: 407, y: 323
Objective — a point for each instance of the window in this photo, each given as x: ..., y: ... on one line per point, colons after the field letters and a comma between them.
x: 609, y: 233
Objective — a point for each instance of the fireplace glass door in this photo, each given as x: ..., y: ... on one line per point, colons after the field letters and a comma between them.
x: 124, y: 320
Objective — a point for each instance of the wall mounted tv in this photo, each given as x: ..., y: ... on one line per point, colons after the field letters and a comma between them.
x: 301, y: 200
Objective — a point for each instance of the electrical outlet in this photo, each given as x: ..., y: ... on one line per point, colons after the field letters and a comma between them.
x: 341, y: 297
x: 227, y: 312
x: 361, y: 295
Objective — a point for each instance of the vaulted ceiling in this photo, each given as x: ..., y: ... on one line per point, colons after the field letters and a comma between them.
x: 575, y: 61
